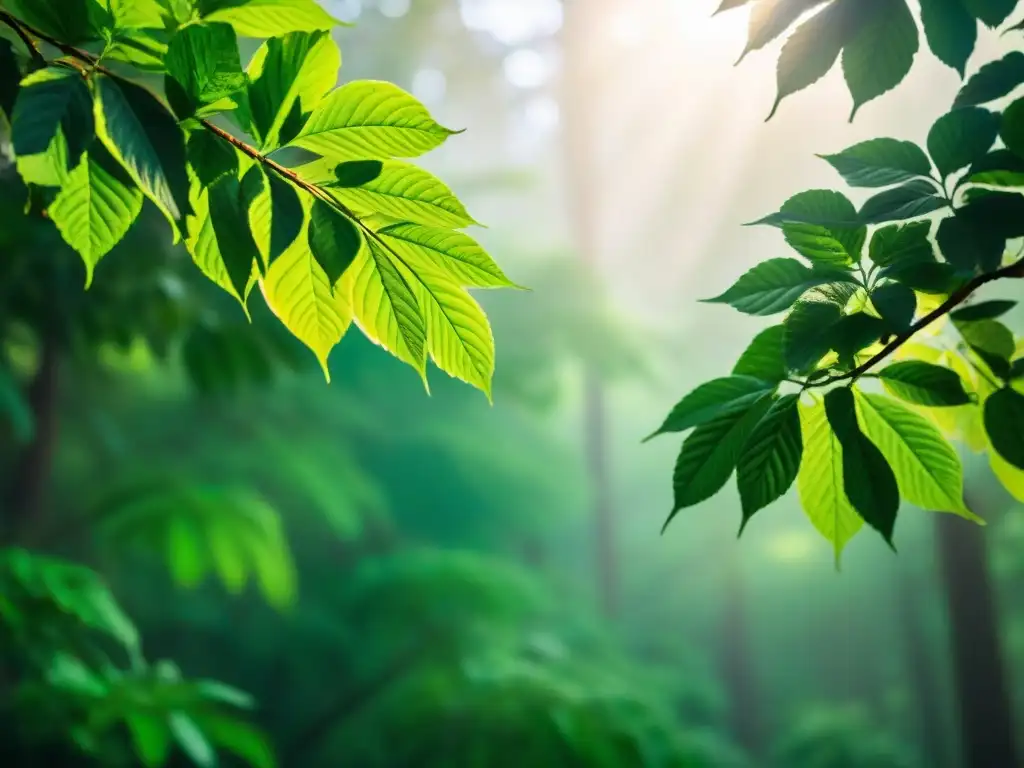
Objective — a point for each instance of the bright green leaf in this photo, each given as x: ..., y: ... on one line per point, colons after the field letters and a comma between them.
x: 96, y: 206
x: 203, y: 61
x: 925, y: 384
x: 268, y: 18
x: 150, y: 736
x: 457, y: 252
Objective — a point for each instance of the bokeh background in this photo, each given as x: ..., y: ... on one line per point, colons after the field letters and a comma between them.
x: 436, y: 581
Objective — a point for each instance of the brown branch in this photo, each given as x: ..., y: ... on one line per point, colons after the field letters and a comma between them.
x: 958, y: 297
x: 25, y: 38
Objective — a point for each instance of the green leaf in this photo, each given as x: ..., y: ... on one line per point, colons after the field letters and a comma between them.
x: 993, y: 81
x: 983, y: 310
x: 1004, y: 423
x: 334, y: 240
x: 299, y: 293
x: 868, y: 480
x: 370, y: 119
x: 774, y: 285
x: 276, y: 217
x: 229, y: 212
x: 968, y: 247
x: 210, y: 157
x: 924, y: 277
x: 770, y: 18
x: 763, y: 358
x: 293, y: 72
x: 1012, y: 127
x: 145, y: 138
x: 402, y: 191
x: 821, y: 225
x: 820, y: 480
x: 192, y: 741
x: 456, y: 252
x: 808, y: 330
x: 880, y: 163
x: 908, y: 201
x: 459, y: 337
x: 356, y: 173
x: 896, y: 304
x: 145, y: 49
x: 881, y: 52
x: 901, y: 243
x: 96, y: 207
x: 130, y: 14
x: 387, y: 307
x: 52, y: 125
x: 999, y: 168
x: 10, y: 78
x: 961, y: 137
x: 924, y: 384
x: 70, y: 21
x: 709, y: 455
x: 854, y: 332
x: 770, y: 460
x: 203, y: 61
x: 811, y: 51
x: 240, y: 739
x: 268, y: 18
x: 951, y: 32
x: 712, y: 399
x: 150, y: 736
x: 991, y: 13
x: 927, y: 469
x: 991, y: 341
x: 1000, y: 214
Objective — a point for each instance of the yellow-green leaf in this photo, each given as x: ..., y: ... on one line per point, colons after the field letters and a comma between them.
x: 456, y: 252
x: 820, y: 480
x: 268, y: 18
x: 927, y: 469
x: 369, y: 118
x: 201, y: 243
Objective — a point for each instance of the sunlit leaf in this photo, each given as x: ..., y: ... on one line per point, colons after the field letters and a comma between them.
x: 268, y: 18
x: 456, y: 252
x: 203, y: 67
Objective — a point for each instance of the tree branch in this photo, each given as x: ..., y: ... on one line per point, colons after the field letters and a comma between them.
x: 958, y: 297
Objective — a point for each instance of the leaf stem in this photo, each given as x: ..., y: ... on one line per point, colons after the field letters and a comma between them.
x: 958, y: 297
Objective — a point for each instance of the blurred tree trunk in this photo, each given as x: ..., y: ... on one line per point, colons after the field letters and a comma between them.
x: 736, y: 661
x: 580, y: 117
x: 986, y: 714
x: 921, y: 668
x: 31, y: 474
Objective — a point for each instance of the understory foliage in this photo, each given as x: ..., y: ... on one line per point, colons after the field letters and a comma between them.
x: 271, y: 176
x: 884, y: 353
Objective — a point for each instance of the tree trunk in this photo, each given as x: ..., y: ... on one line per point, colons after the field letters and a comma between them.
x: 578, y: 136
x: 986, y: 715
x: 736, y: 663
x: 31, y: 476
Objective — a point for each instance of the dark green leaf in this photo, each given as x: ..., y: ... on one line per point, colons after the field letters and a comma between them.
x: 991, y: 13
x: 808, y: 333
x: 203, y: 60
x: 951, y: 32
x: 991, y: 341
x: 211, y: 157
x: 999, y: 168
x: 993, y: 81
x: 1012, y: 127
x: 230, y: 217
x: 968, y: 247
x: 961, y: 137
x: 901, y: 244
x: 924, y: 384
x: 712, y: 399
x: 811, y: 51
x: 147, y: 140
x: 880, y: 163
x: 773, y: 285
x: 763, y: 359
x: 868, y: 480
x: 1004, y: 422
x: 70, y: 21
x: 908, y: 201
x: 925, y: 277
x: 53, y: 124
x: 852, y: 333
x: 1017, y: 369
x: 896, y: 303
x: 355, y: 173
x: 10, y: 76
x: 771, y: 457
x: 983, y: 310
x: 1000, y: 213
x: 881, y: 51
x: 286, y: 216
x: 710, y: 453
x: 334, y: 240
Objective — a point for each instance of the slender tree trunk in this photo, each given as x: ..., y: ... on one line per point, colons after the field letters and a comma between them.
x: 31, y: 476
x: 986, y: 714
x: 579, y: 119
x: 921, y: 669
x: 737, y: 666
